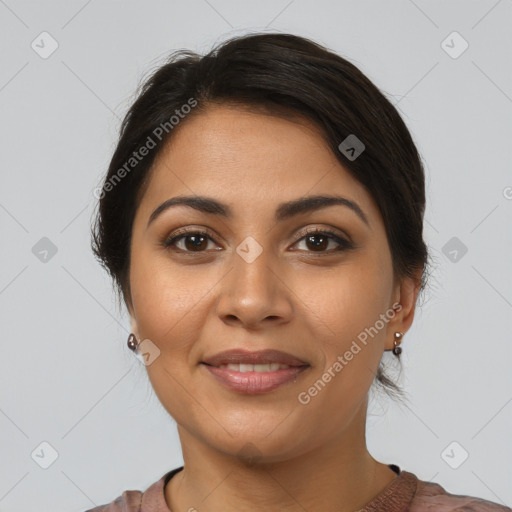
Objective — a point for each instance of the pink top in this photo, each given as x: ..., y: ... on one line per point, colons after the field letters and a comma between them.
x: 404, y: 494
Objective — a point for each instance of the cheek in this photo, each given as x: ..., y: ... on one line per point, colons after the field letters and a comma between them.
x: 167, y: 301
x: 345, y: 316
x: 349, y: 313
x: 351, y: 299
x: 168, y: 306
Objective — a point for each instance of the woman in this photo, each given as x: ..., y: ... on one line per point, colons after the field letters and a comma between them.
x: 262, y: 218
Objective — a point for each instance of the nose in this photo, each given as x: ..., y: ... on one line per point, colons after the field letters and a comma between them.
x: 254, y: 293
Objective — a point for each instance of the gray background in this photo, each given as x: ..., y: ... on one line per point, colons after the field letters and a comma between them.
x: 68, y: 379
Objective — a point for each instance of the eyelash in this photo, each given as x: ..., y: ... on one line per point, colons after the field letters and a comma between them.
x: 344, y: 244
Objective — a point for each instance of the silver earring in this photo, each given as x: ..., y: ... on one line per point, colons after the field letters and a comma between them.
x: 398, y: 339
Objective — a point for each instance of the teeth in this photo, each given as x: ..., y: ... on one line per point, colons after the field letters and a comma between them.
x: 269, y: 367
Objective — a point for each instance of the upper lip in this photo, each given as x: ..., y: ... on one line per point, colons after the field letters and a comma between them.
x: 260, y: 357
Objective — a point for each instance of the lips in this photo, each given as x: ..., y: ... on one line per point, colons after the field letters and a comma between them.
x: 254, y: 373
x: 260, y: 358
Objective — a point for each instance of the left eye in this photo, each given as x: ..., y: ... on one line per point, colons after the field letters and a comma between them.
x: 198, y: 241
x: 324, y: 237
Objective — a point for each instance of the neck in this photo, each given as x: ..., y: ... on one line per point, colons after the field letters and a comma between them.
x: 339, y: 475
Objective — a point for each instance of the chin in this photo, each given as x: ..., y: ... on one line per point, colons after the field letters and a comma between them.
x: 258, y: 446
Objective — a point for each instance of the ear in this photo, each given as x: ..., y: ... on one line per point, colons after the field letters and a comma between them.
x: 404, y: 305
x: 134, y: 327
x: 126, y: 295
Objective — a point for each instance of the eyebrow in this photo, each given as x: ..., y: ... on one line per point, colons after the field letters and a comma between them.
x: 283, y: 212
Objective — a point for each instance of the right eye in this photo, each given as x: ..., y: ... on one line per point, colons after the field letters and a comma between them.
x: 194, y: 240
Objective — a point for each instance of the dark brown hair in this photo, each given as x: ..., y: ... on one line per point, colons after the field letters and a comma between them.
x: 283, y: 74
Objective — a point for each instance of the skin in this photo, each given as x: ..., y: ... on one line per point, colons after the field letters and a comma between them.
x: 309, y: 302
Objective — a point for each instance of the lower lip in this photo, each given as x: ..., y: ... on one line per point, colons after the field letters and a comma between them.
x: 254, y: 383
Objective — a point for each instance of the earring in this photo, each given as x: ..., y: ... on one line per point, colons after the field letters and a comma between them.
x: 133, y: 344
x: 398, y: 339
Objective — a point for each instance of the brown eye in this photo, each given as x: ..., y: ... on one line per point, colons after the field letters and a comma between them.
x: 318, y: 241
x: 193, y: 241
x: 197, y: 242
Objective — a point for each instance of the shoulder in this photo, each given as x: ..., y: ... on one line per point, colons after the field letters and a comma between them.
x: 129, y: 501
x: 431, y: 496
x: 137, y: 501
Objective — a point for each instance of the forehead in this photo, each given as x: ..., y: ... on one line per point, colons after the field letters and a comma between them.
x: 243, y: 157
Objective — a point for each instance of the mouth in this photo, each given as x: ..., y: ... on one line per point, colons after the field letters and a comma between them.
x: 258, y: 358
x: 260, y: 368
x: 254, y: 372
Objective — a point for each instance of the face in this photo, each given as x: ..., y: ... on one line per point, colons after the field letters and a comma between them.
x: 307, y: 282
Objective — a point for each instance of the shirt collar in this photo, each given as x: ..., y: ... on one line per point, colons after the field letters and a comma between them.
x: 394, y: 497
